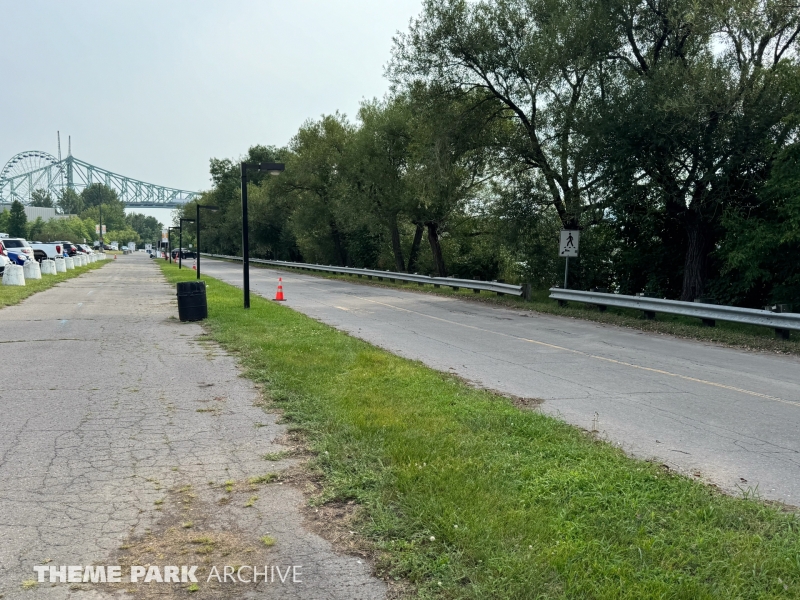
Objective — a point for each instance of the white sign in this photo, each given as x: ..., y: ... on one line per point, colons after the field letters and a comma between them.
x: 569, y: 242
x: 97, y: 229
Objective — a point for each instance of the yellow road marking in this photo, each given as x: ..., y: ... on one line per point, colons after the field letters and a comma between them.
x: 603, y: 358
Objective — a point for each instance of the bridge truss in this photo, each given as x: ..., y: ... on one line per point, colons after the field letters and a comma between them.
x: 36, y: 170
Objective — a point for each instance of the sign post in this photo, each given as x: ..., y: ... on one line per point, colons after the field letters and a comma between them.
x: 568, y: 247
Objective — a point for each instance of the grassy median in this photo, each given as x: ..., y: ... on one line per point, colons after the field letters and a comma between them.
x: 467, y: 496
x: 14, y: 294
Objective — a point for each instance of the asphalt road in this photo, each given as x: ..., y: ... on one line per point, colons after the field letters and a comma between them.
x: 123, y: 434
x: 728, y: 416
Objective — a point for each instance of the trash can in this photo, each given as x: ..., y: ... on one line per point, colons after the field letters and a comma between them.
x: 192, y: 304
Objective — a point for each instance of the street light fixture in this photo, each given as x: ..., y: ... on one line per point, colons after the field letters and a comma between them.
x: 197, y: 237
x: 272, y: 169
x: 180, y: 242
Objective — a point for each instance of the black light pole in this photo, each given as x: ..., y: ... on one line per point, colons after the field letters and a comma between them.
x: 197, y: 236
x: 169, y: 242
x: 272, y: 169
x: 180, y: 242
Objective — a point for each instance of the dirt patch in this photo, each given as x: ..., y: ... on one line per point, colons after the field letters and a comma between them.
x: 194, y: 530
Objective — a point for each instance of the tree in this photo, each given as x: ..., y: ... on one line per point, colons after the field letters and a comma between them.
x: 42, y: 198
x: 314, y: 177
x: 97, y: 194
x: 18, y: 220
x: 70, y: 202
x: 35, y: 229
x: 377, y: 164
x: 540, y: 60
x: 449, y: 161
x: 148, y: 228
x: 700, y: 97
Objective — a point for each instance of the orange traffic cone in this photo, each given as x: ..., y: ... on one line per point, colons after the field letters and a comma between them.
x: 279, y: 296
x: 194, y: 265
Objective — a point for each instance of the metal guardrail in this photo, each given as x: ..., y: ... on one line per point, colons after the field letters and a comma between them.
x: 473, y: 284
x: 782, y: 323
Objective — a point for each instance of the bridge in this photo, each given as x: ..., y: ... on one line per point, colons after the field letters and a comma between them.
x: 36, y: 170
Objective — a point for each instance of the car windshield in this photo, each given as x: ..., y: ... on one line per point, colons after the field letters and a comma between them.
x: 14, y: 243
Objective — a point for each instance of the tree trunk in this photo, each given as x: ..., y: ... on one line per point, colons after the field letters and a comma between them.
x: 341, y: 254
x: 436, y: 248
x: 415, y: 245
x: 397, y: 248
x: 695, y: 270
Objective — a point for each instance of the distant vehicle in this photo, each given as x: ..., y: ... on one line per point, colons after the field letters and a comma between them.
x: 184, y: 254
x: 42, y: 251
x: 18, y: 250
x: 70, y: 249
x: 115, y: 245
x: 84, y: 249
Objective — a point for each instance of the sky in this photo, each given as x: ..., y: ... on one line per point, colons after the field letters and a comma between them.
x: 154, y: 89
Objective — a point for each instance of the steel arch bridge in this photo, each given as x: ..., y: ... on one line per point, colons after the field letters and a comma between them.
x: 36, y: 170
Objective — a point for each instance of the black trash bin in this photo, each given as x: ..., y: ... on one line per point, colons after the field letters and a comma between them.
x: 192, y: 304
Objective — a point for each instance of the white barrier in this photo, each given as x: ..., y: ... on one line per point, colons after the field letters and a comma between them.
x: 31, y: 270
x: 13, y: 275
x: 92, y: 258
x: 81, y: 260
x: 69, y: 263
x: 48, y: 267
x: 61, y: 264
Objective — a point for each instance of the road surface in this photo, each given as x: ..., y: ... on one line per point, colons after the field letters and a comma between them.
x: 728, y: 416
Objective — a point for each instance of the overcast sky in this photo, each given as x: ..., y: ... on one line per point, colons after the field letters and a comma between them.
x: 153, y: 89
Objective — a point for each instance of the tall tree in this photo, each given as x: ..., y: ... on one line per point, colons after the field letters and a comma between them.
x: 539, y: 60
x: 314, y: 176
x: 449, y: 160
x: 378, y: 163
x: 17, y: 220
x: 701, y: 96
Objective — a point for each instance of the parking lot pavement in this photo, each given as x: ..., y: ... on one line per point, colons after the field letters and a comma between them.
x: 725, y: 415
x: 127, y: 439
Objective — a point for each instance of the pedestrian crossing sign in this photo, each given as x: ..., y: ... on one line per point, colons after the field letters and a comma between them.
x: 569, y: 242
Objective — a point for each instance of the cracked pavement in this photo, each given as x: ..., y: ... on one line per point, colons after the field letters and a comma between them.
x: 728, y: 416
x: 105, y: 400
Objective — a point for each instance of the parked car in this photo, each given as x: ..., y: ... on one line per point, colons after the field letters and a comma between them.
x: 3, y: 259
x: 184, y: 254
x: 69, y: 248
x: 18, y: 250
x: 42, y: 251
x: 84, y: 249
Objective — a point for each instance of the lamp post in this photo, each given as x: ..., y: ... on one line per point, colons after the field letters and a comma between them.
x: 169, y: 241
x: 272, y: 169
x: 197, y: 235
x: 180, y: 242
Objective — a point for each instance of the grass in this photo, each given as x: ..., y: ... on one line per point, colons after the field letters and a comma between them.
x: 749, y: 337
x: 14, y: 294
x: 466, y: 496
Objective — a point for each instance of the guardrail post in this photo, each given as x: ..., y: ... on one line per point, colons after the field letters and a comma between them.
x: 526, y: 292
x: 783, y: 334
x: 500, y: 281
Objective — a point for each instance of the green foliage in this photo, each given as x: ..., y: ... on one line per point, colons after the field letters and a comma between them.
x: 17, y: 220
x: 35, y: 229
x: 147, y: 228
x: 42, y: 198
x: 652, y: 127
x: 70, y: 202
x: 73, y: 229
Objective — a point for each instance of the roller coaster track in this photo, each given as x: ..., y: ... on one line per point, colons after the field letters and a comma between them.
x: 36, y: 170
